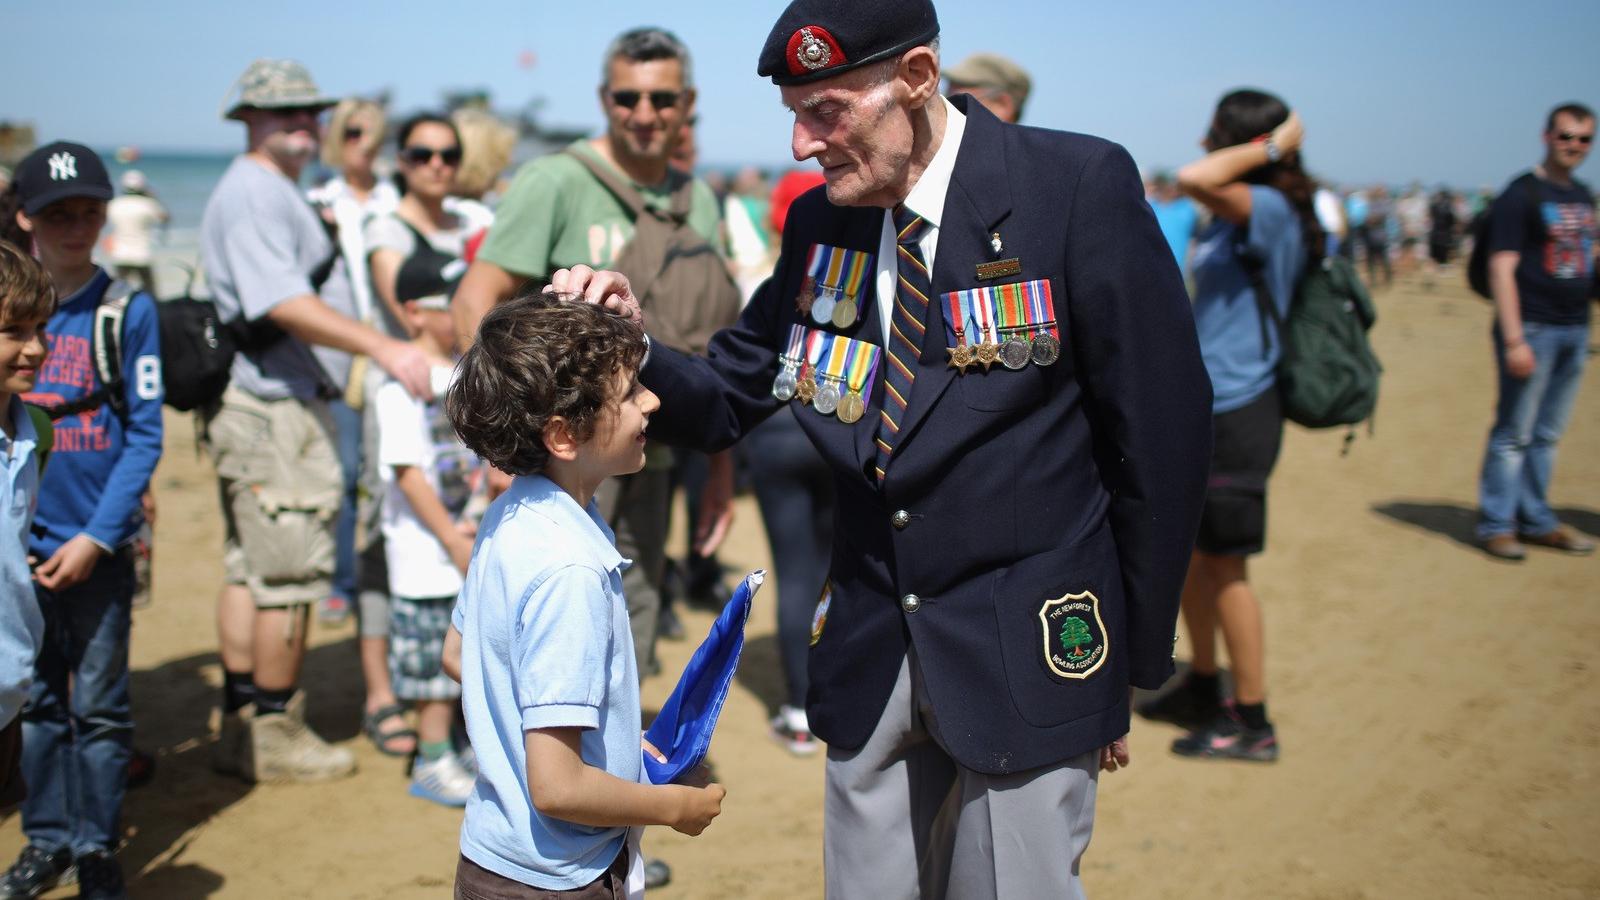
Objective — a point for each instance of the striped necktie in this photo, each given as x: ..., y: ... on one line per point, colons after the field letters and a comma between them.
x: 906, y: 326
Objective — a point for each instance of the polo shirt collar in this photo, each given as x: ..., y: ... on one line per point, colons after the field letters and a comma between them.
x: 551, y: 500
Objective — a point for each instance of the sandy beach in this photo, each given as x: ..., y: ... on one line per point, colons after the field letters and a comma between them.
x: 1437, y: 709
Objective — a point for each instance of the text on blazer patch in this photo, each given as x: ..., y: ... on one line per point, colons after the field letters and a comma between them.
x: 1075, y: 641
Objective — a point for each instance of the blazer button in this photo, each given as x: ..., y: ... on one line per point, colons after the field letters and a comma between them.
x: 900, y: 519
x: 911, y: 603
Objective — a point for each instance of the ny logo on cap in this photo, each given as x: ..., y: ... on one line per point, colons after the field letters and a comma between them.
x: 63, y: 166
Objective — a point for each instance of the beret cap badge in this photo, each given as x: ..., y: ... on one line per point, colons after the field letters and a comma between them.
x: 812, y: 48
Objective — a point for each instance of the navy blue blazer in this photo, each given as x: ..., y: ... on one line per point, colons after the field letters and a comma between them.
x: 1016, y: 500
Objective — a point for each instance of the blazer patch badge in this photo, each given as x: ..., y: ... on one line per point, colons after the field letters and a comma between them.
x: 1075, y: 641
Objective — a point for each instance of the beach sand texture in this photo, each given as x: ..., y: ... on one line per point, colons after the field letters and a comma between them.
x: 1437, y: 710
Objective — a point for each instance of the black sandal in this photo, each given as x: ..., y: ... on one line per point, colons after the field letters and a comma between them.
x: 383, y: 740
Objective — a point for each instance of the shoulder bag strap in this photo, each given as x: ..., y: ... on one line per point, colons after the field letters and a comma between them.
x: 1266, y: 310
x: 106, y: 341
x: 613, y: 183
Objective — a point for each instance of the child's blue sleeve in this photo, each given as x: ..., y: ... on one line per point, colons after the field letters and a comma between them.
x: 560, y: 648
x: 118, y: 514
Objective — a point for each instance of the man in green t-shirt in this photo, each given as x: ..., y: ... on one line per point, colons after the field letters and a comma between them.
x: 559, y: 214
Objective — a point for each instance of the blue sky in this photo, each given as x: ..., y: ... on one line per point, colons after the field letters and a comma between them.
x: 1394, y: 91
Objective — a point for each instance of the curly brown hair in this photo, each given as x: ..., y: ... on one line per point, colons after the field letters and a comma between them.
x: 26, y: 292
x: 539, y: 356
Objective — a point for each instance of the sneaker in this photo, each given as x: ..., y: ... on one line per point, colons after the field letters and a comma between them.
x: 444, y: 781
x: 1227, y: 737
x: 100, y: 876
x: 668, y: 626
x: 1185, y: 705
x: 791, y: 729
x: 333, y: 610
x: 656, y: 873
x: 37, y: 870
x: 1562, y: 538
x: 282, y: 747
x: 229, y: 753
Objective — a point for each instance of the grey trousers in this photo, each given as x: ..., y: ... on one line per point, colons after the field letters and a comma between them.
x: 638, y: 507
x: 904, y: 820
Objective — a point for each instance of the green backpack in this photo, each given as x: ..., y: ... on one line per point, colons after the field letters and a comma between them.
x: 1328, y: 374
x: 46, y: 430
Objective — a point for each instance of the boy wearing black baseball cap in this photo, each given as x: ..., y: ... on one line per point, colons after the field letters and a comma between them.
x: 77, y: 725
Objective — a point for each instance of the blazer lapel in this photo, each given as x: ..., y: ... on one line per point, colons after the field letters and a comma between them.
x: 979, y: 198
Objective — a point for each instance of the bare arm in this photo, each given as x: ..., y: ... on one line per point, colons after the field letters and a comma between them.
x: 308, y: 318
x: 385, y: 266
x: 426, y: 504
x: 1508, y: 312
x: 1214, y: 179
x: 484, y: 286
x: 563, y: 786
x: 451, y: 660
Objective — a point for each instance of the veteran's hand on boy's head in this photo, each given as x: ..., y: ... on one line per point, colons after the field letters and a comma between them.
x: 607, y: 288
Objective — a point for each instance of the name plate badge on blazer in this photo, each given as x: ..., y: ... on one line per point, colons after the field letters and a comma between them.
x: 1000, y: 268
x: 1075, y: 642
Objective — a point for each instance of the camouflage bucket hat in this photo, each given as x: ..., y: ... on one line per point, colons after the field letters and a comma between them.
x: 275, y: 84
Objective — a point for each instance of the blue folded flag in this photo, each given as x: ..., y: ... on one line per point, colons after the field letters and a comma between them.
x: 682, y: 730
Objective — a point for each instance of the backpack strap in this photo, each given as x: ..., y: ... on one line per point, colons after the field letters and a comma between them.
x: 1266, y: 310
x: 630, y: 197
x: 106, y: 341
x: 45, y: 429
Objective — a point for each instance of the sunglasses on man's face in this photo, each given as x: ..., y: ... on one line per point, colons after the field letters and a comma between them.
x: 421, y: 156
x: 658, y: 99
x: 1580, y: 138
x: 294, y: 112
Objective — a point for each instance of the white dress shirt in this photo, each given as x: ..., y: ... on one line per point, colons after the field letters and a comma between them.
x: 926, y: 200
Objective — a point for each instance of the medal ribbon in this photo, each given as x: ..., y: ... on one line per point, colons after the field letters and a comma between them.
x: 1042, y: 308
x: 958, y: 319
x: 863, y: 361
x: 981, y: 309
x: 838, y: 269
x: 1009, y: 299
x: 797, y: 338
x: 814, y: 348
x: 838, y: 351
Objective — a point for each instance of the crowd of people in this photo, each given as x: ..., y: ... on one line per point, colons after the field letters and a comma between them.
x: 481, y: 474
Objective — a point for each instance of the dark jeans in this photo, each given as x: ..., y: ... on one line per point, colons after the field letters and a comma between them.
x: 347, y: 442
x: 77, y: 727
x: 795, y: 489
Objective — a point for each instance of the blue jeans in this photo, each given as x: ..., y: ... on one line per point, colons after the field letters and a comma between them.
x: 347, y: 441
x: 77, y: 727
x: 1529, y: 419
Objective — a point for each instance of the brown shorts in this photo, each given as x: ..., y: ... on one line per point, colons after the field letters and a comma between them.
x: 280, y: 483
x: 474, y: 882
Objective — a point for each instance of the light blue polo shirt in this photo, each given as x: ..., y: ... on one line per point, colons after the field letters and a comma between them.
x: 21, y: 623
x: 545, y: 644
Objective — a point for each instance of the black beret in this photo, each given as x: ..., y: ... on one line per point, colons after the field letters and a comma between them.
x: 816, y: 39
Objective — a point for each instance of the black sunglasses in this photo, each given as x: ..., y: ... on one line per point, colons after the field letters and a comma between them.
x: 353, y: 133
x: 289, y: 112
x: 658, y: 99
x: 420, y: 156
x: 1580, y: 138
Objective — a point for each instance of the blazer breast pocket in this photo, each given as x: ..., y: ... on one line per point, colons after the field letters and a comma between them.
x: 1002, y: 390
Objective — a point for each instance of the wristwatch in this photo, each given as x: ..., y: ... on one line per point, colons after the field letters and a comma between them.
x: 1273, y: 153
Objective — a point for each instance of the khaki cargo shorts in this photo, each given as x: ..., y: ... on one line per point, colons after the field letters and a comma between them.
x: 280, y: 485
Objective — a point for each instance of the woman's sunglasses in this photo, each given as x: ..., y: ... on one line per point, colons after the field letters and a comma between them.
x: 421, y: 156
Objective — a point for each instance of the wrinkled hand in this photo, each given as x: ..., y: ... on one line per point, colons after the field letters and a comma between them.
x: 1114, y: 755
x: 1520, y: 360
x: 407, y: 365
x: 69, y: 565
x: 1290, y: 135
x: 607, y: 288
x: 716, y: 506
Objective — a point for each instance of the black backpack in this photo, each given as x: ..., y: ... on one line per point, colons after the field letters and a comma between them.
x: 1478, y: 262
x: 196, y: 353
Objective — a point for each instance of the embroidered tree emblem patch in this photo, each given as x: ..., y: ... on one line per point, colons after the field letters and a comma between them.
x: 1075, y: 642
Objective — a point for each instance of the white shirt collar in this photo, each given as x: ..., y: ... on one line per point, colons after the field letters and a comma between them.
x: 927, y: 195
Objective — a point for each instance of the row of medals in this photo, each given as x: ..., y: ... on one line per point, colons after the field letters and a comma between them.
x: 829, y: 305
x: 823, y: 392
x: 1014, y: 352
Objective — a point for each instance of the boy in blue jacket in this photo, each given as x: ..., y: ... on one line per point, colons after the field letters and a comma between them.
x: 77, y: 727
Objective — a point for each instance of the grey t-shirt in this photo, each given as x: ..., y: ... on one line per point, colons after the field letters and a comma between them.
x: 260, y: 241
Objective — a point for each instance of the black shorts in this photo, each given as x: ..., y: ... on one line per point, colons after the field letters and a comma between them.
x: 1245, y: 448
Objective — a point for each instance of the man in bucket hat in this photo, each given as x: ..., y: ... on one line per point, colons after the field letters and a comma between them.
x: 281, y: 286
x: 1011, y: 540
x: 1000, y: 85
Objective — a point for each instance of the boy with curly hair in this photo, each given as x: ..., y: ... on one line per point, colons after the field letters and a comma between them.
x: 550, y: 393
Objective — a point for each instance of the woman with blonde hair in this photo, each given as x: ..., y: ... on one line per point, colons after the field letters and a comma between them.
x: 486, y: 146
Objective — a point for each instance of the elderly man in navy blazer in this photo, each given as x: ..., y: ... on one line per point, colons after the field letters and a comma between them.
x: 984, y: 334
